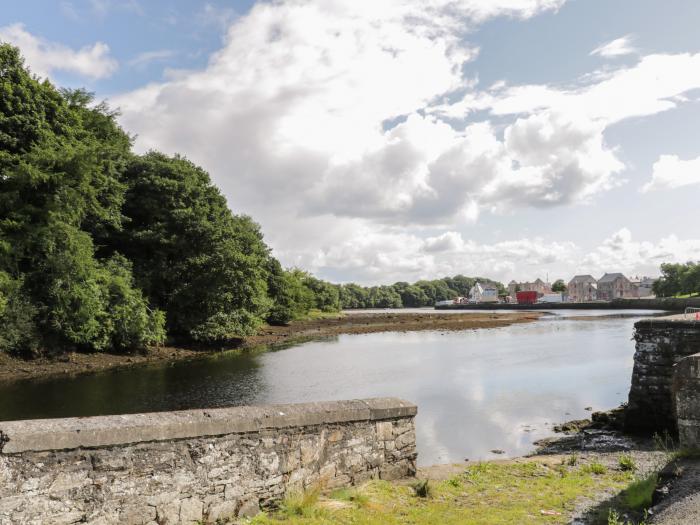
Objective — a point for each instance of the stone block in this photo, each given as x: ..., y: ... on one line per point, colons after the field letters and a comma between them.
x: 249, y: 508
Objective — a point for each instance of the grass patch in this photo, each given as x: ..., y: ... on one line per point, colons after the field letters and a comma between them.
x: 302, y: 503
x: 352, y: 495
x: 626, y: 463
x: 638, y: 494
x: 595, y: 468
x: 485, y: 494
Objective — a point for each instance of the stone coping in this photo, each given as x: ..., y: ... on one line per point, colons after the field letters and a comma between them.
x: 103, y: 431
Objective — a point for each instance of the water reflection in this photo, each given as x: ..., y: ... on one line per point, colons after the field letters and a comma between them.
x: 476, y: 390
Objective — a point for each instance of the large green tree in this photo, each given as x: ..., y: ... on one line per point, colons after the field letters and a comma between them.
x: 60, y: 160
x: 205, y: 267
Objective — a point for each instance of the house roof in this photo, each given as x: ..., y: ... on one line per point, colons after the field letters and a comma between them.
x: 610, y: 277
x: 583, y: 279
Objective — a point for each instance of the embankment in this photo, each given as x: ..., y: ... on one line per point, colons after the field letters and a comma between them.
x: 196, y: 466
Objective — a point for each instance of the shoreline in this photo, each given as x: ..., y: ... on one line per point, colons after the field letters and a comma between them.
x: 69, y: 364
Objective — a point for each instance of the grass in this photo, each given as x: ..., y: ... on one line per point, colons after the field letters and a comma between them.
x: 638, y: 495
x: 486, y: 493
x: 626, y: 462
x: 595, y: 468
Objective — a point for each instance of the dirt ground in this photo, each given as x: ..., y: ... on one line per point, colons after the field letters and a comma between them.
x: 358, y: 323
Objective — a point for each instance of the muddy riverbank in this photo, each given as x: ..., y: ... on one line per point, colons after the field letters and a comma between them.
x: 358, y: 323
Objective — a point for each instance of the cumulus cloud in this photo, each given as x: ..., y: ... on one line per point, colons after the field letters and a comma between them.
x: 380, y: 257
x: 361, y: 117
x: 616, y: 48
x: 44, y: 57
x: 670, y: 172
x: 620, y: 252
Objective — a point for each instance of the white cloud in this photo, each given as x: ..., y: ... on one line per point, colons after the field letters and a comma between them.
x: 366, y: 255
x: 44, y: 57
x: 616, y: 48
x: 620, y: 252
x: 340, y: 113
x: 670, y: 172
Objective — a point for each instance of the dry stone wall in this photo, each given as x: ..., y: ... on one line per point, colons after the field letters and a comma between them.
x: 660, y: 345
x: 686, y: 398
x: 199, y: 465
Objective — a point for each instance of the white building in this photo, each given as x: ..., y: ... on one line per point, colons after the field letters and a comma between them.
x: 483, y: 293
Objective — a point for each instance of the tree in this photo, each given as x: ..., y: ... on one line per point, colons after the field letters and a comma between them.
x: 59, y: 162
x: 559, y: 286
x: 205, y: 267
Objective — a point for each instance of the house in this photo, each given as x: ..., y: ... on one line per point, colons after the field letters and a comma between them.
x: 538, y: 286
x: 644, y: 286
x: 483, y: 293
x: 513, y: 287
x: 615, y: 286
x: 582, y: 289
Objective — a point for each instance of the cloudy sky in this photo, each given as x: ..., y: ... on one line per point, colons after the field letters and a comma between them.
x: 401, y: 139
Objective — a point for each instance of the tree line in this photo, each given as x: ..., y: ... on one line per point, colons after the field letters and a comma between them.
x: 678, y: 279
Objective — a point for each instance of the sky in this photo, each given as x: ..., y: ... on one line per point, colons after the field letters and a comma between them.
x: 404, y: 139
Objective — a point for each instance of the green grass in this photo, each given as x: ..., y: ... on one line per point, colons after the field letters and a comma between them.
x: 486, y: 493
x: 595, y: 468
x: 626, y: 462
x: 638, y: 495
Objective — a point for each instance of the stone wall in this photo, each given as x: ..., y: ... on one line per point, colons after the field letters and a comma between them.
x: 660, y: 344
x: 686, y: 397
x: 198, y: 465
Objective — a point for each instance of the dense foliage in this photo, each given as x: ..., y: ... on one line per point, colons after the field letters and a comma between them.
x: 678, y: 279
x: 559, y: 286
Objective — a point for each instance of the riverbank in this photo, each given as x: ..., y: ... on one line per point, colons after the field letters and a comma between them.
x: 593, y: 475
x: 358, y: 323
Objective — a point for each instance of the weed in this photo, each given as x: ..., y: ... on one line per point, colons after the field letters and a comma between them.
x: 638, y: 494
x: 422, y: 488
x: 626, y: 462
x: 595, y: 468
x: 300, y: 503
x: 351, y: 495
x: 454, y: 482
x: 572, y: 460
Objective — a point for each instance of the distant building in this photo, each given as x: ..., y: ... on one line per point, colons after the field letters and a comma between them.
x: 582, y: 289
x: 615, y: 286
x: 486, y: 293
x: 646, y: 287
x: 538, y: 286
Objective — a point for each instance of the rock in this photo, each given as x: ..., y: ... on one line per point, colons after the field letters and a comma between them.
x: 222, y: 511
x: 249, y: 509
x: 191, y: 510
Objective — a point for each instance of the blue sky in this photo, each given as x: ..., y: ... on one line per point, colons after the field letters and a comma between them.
x: 401, y: 139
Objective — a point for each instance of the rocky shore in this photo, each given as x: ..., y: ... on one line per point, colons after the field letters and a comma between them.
x: 12, y: 368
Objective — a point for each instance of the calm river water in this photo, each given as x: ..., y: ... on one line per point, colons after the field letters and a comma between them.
x: 476, y: 390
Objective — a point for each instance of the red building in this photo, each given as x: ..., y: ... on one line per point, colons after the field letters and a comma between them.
x: 526, y: 297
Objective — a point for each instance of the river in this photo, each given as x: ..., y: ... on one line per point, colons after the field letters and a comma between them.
x: 476, y: 390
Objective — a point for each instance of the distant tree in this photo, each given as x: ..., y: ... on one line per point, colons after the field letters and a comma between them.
x: 326, y: 295
x: 678, y: 279
x: 559, y: 286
